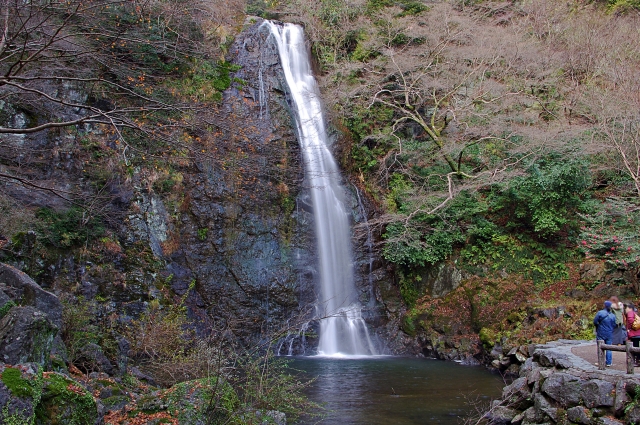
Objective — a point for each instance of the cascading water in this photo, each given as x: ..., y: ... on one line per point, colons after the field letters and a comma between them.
x: 342, y: 329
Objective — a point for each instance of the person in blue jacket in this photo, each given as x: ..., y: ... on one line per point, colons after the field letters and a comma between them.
x: 605, y: 322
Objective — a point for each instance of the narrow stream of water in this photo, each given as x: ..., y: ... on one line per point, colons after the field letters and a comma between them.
x: 396, y: 391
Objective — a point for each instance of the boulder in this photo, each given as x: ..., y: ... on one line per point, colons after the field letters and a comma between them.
x: 518, y: 419
x: 579, y: 415
x: 597, y: 393
x: 21, y: 290
x: 621, y: 398
x: 518, y: 395
x: 605, y: 420
x: 500, y: 415
x: 633, y: 415
x: 25, y: 292
x: 564, y: 388
x: 272, y: 417
x: 543, y: 409
x: 26, y: 335
x: 529, y: 415
x: 91, y: 358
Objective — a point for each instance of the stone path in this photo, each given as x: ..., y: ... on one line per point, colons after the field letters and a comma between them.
x: 589, y: 353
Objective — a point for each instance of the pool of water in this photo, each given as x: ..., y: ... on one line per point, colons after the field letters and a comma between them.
x: 395, y: 390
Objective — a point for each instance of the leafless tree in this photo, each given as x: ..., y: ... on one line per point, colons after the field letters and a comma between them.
x: 106, y: 69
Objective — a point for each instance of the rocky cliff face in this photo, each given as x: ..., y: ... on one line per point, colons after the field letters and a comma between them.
x: 230, y: 229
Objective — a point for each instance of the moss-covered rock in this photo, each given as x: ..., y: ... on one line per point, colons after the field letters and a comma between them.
x: 20, y: 392
x: 65, y: 402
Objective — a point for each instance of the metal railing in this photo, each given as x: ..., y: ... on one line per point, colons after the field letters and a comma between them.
x: 628, y: 348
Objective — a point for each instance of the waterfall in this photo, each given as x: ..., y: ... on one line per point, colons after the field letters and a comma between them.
x: 342, y: 328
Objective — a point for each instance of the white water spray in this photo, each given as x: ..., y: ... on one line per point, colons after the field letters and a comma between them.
x: 342, y: 329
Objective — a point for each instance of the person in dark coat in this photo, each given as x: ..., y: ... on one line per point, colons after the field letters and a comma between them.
x: 605, y: 322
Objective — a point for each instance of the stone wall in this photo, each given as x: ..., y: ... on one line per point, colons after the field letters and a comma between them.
x: 555, y: 386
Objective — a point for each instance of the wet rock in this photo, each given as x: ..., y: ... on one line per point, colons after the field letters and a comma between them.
x: 153, y: 402
x: 592, y: 271
x: 517, y: 419
x: 529, y: 415
x: 111, y: 394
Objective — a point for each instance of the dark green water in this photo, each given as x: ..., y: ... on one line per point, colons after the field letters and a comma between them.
x: 395, y: 390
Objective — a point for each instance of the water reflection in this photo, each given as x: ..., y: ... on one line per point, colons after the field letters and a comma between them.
x: 398, y: 391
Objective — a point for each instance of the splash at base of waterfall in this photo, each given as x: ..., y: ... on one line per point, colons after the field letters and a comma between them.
x: 345, y: 334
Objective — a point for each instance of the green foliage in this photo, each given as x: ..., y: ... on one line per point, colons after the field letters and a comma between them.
x: 203, y: 399
x: 14, y: 419
x: 409, y: 7
x: 411, y: 246
x: 363, y: 122
x: 635, y: 402
x: 261, y: 8
x: 409, y: 325
x: 362, y: 53
x: 207, y: 80
x: 408, y: 287
x: 334, y: 12
x: 516, y: 254
x: 21, y: 387
x: 488, y: 338
x: 79, y: 328
x: 429, y: 238
x: 6, y: 307
x: 167, y: 182
x: 412, y: 8
x: 69, y: 228
x: 547, y: 198
x: 401, y: 39
x: 335, y: 37
x: 623, y: 6
x: 202, y: 234
x: 371, y: 138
